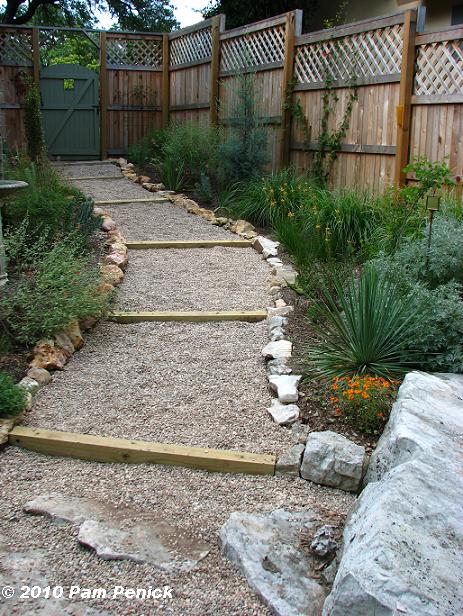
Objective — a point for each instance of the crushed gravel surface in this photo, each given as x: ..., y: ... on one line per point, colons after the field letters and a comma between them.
x: 87, y: 171
x: 163, y: 221
x: 198, y: 384
x: 197, y: 502
x: 195, y: 279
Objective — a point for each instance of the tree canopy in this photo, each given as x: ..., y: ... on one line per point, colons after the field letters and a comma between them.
x: 141, y: 15
x: 239, y: 13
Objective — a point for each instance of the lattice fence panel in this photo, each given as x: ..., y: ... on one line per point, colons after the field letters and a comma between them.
x: 439, y: 68
x: 254, y: 49
x: 129, y: 52
x: 16, y: 48
x: 364, y: 55
x: 191, y: 47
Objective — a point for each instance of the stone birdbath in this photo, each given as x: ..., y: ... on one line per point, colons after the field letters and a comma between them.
x: 7, y: 189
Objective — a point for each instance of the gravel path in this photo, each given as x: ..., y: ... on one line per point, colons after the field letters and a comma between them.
x: 197, y: 502
x: 197, y: 279
x: 200, y: 384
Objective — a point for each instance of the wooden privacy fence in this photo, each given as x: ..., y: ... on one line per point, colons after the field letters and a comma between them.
x: 409, y: 87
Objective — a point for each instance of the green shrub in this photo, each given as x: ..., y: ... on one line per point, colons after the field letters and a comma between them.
x: 47, y: 202
x: 12, y: 397
x: 33, y: 124
x: 270, y: 199
x: 442, y: 262
x: 61, y: 287
x: 188, y: 152
x: 148, y: 148
x: 437, y: 345
x: 365, y: 328
x: 244, y: 151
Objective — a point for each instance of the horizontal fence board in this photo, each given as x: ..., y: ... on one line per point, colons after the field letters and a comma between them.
x: 437, y: 99
x: 254, y: 27
x: 449, y: 34
x: 356, y: 148
x: 362, y: 81
x: 356, y: 28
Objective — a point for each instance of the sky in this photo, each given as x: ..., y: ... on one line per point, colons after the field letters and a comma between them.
x: 184, y: 12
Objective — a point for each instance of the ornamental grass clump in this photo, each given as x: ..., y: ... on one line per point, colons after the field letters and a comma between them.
x: 12, y: 397
x: 364, y: 401
x: 366, y: 326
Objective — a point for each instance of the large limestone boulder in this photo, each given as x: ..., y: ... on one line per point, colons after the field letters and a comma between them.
x: 331, y: 459
x: 403, y: 538
x: 267, y: 550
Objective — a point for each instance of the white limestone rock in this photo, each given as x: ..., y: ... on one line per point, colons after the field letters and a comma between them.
x: 266, y: 247
x: 290, y: 461
x: 277, y: 367
x: 267, y: 550
x: 283, y: 414
x: 286, y: 387
x: 280, y: 349
x: 331, y: 459
x: 403, y: 538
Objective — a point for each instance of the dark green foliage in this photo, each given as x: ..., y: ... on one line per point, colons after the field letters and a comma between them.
x: 188, y: 152
x: 49, y: 205
x: 33, y: 125
x: 366, y: 328
x: 244, y: 152
x: 147, y: 149
x: 12, y: 397
x: 60, y: 287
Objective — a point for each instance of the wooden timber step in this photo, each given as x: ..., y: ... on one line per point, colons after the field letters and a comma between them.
x: 188, y: 244
x: 96, y: 177
x: 250, y: 316
x: 107, y: 449
x: 131, y: 200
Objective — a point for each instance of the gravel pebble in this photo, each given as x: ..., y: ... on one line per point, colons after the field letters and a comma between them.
x: 85, y: 171
x: 196, y: 502
x: 195, y: 279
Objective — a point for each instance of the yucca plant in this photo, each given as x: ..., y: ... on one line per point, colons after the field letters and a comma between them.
x: 366, y: 327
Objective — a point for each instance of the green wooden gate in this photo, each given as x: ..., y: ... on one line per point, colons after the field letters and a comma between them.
x: 70, y: 108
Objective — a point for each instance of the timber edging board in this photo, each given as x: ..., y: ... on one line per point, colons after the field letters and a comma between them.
x: 107, y: 449
x: 188, y: 244
x: 131, y: 200
x: 191, y: 316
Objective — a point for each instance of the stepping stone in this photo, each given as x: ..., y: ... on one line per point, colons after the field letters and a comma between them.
x: 123, y: 533
x: 152, y: 542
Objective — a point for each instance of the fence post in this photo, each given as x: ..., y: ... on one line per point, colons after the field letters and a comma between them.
x: 103, y: 96
x: 293, y: 28
x: 404, y: 108
x: 218, y: 25
x: 36, y: 56
x: 165, y: 81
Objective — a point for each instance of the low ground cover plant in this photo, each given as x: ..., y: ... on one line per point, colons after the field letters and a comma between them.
x: 12, y: 397
x: 364, y: 401
x: 52, y: 287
